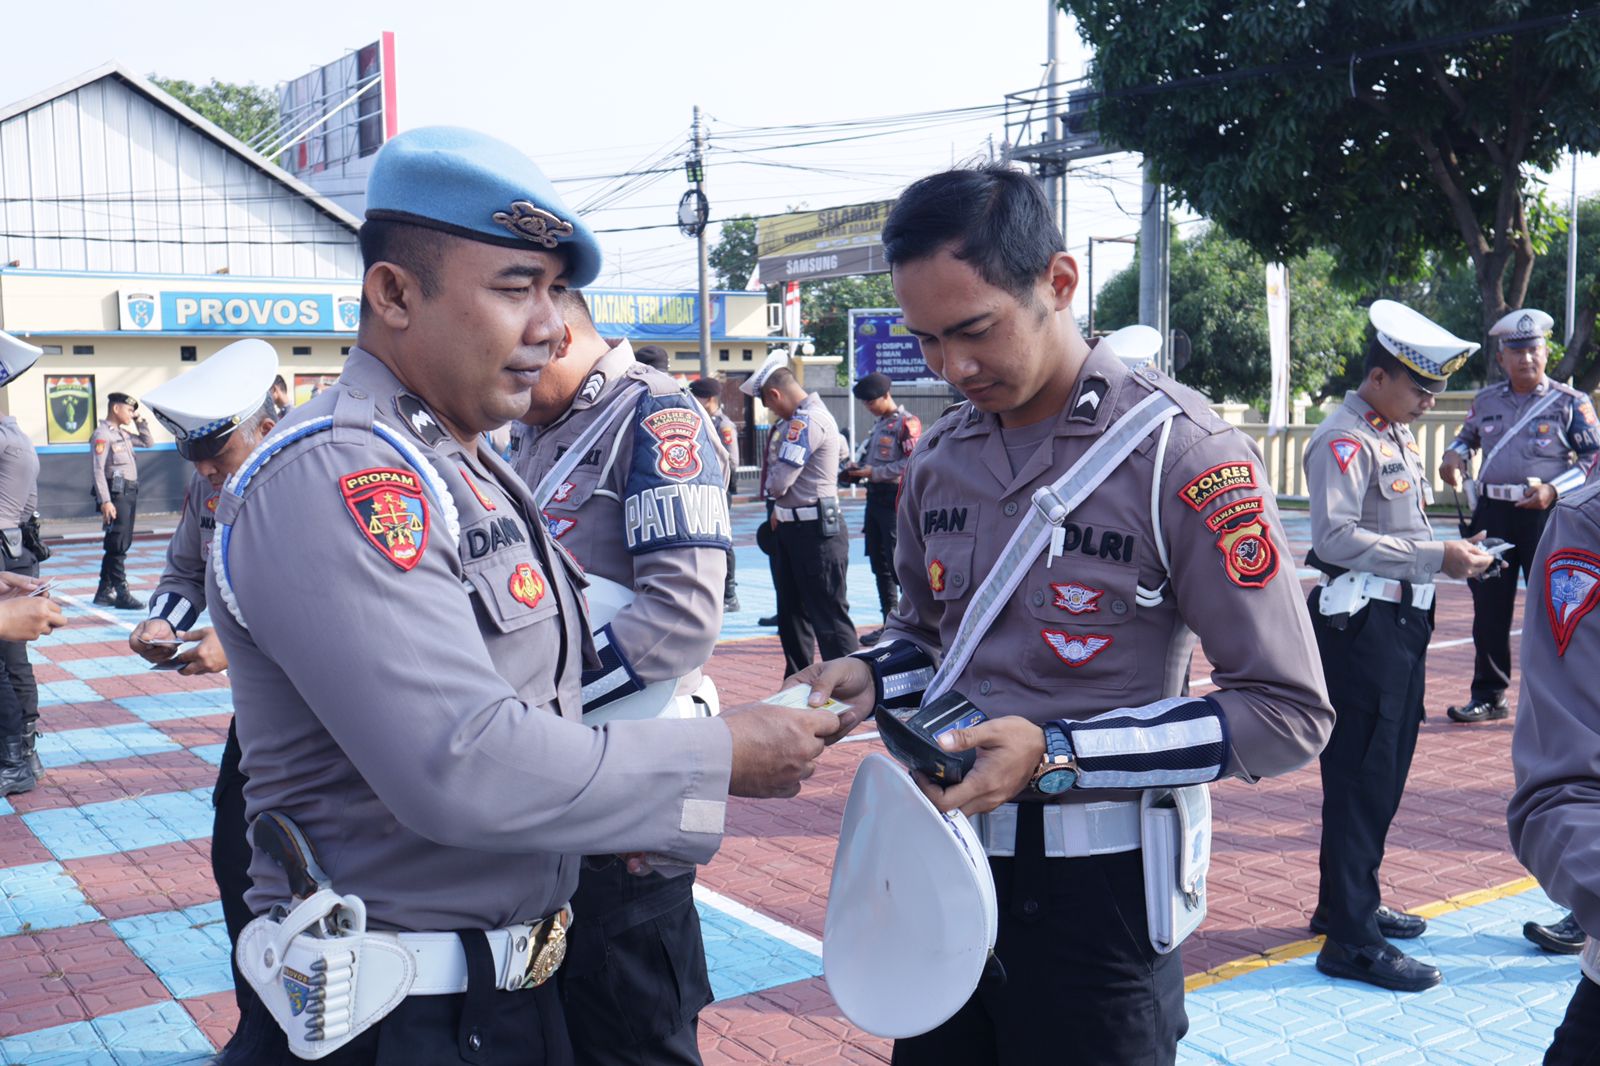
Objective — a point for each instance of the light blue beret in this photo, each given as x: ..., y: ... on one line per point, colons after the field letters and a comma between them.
x: 474, y: 186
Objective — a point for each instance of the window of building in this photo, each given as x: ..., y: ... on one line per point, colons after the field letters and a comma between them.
x: 301, y: 349
x: 187, y: 353
x: 722, y: 355
x: 83, y: 349
x: 50, y: 349
x: 747, y: 355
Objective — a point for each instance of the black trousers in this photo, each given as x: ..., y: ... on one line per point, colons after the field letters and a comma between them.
x: 19, y: 692
x: 813, y: 606
x: 880, y: 532
x: 230, y: 855
x: 119, y: 535
x: 513, y: 1029
x: 1577, y: 1039
x: 730, y: 587
x: 1374, y: 667
x: 1494, y: 600
x: 1081, y: 984
x: 635, y: 978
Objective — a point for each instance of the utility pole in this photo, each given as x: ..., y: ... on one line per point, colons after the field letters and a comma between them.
x: 1151, y: 254
x: 1055, y: 186
x: 1572, y: 255
x: 700, y: 238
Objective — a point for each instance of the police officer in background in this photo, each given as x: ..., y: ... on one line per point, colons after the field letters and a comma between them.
x: 1080, y: 667
x: 1539, y: 440
x: 281, y: 400
x: 116, y: 493
x: 1555, y: 747
x: 709, y: 392
x: 410, y: 704
x: 21, y: 619
x: 645, y: 509
x: 885, y: 455
x: 1373, y: 616
x: 217, y: 413
x: 810, y: 548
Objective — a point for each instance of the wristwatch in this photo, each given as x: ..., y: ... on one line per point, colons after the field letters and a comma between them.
x: 1058, y: 771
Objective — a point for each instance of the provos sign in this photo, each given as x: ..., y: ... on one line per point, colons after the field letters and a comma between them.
x: 155, y: 311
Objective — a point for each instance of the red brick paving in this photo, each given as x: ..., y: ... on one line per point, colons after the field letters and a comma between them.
x: 69, y: 975
x: 216, y: 1014
x: 137, y: 775
x: 161, y: 878
x: 196, y: 732
x: 84, y: 715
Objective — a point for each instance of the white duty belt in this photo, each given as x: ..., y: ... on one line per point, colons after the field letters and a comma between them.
x: 1507, y: 493
x: 1071, y: 830
x: 797, y: 514
x: 1363, y: 586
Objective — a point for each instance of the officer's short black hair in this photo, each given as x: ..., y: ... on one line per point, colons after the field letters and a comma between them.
x: 114, y: 398
x: 279, y: 383
x: 994, y: 217
x: 416, y: 249
x: 574, y: 306
x: 706, y: 388
x: 652, y: 355
x: 780, y: 379
x: 1380, y: 358
x: 872, y: 387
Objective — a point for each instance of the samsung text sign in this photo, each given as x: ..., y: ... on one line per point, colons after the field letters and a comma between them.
x: 149, y: 311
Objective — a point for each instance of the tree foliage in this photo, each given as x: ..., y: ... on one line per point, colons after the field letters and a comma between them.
x: 243, y: 110
x: 733, y: 257
x: 1219, y: 298
x: 1381, y: 130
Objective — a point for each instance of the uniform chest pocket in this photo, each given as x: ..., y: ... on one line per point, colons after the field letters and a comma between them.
x: 573, y: 493
x: 1081, y: 607
x: 1396, y: 479
x: 513, y: 589
x: 1542, y: 441
x: 948, y: 562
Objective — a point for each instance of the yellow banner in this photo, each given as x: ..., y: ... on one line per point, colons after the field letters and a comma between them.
x: 820, y: 231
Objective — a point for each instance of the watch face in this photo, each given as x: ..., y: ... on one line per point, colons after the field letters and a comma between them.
x: 1055, y: 782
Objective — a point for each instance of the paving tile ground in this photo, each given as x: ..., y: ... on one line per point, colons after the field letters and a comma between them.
x: 109, y: 938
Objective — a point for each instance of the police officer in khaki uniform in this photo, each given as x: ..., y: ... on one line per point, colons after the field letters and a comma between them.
x: 644, y: 508
x: 1085, y: 660
x: 884, y: 458
x: 1373, y: 615
x: 1539, y: 440
x: 1555, y: 747
x: 116, y: 493
x: 19, y: 497
x: 709, y: 392
x: 406, y: 644
x: 810, y: 547
x: 217, y: 414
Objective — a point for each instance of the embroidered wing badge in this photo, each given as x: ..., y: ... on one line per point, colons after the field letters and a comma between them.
x: 1072, y: 650
x: 1077, y: 599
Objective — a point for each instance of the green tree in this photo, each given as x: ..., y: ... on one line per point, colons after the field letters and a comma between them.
x: 243, y: 110
x: 1378, y: 129
x: 733, y: 257
x: 1219, y: 298
x: 825, y: 311
x: 1579, y: 361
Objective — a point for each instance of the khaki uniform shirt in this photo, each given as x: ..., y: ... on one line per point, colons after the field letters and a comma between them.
x: 889, y: 446
x: 19, y: 475
x: 410, y: 694
x: 1555, y: 748
x: 1078, y: 638
x: 111, y: 449
x: 1368, y: 491
x: 803, y: 453
x: 727, y: 431
x: 180, y: 595
x: 648, y: 509
x: 1558, y: 447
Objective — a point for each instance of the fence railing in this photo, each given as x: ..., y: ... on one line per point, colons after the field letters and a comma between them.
x: 1284, y: 453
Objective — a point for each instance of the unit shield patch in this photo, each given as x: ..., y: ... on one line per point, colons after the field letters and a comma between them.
x: 390, y: 510
x: 1248, y: 554
x: 676, y: 430
x: 1572, y: 584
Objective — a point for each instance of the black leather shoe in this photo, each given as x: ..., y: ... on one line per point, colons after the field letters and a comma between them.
x: 16, y: 775
x: 730, y: 606
x: 1558, y: 938
x: 1380, y: 964
x: 1393, y: 924
x: 1479, y: 711
x: 102, y: 596
x: 769, y: 620
x: 871, y: 637
x: 127, y: 601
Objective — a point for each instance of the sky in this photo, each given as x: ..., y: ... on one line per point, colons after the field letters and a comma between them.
x: 594, y: 89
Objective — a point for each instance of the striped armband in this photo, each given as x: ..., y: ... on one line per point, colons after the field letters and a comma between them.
x: 901, y: 671
x: 615, y: 677
x: 174, y: 610
x: 1573, y: 478
x: 1179, y: 741
x: 1461, y: 449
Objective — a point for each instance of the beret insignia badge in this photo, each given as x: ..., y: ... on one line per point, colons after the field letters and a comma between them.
x: 534, y: 224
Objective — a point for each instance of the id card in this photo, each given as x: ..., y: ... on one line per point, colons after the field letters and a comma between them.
x: 797, y: 696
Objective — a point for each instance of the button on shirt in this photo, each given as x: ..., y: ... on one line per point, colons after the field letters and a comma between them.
x: 1077, y: 639
x: 803, y: 454
x: 1368, y: 494
x: 412, y: 701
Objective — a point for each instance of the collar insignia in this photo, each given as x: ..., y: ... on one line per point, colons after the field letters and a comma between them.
x: 415, y: 414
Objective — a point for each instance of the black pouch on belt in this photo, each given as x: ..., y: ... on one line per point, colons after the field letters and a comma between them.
x: 912, y: 736
x: 829, y: 518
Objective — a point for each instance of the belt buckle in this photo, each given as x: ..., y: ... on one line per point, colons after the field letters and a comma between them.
x: 549, y: 939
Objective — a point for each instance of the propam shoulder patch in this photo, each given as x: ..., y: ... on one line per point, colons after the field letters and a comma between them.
x: 675, y: 496
x: 390, y: 510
